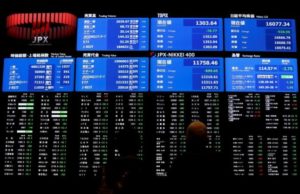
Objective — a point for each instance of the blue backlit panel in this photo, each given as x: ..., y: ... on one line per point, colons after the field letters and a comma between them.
x: 38, y: 75
x: 261, y: 75
x: 266, y: 35
x: 112, y: 74
x: 113, y: 34
x: 193, y: 34
x: 187, y: 74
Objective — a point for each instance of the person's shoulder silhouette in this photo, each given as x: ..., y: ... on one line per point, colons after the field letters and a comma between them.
x: 197, y: 164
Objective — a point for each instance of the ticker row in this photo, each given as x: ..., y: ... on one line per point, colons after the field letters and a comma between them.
x: 157, y: 34
x: 142, y: 74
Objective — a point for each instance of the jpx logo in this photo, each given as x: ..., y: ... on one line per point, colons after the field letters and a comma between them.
x: 39, y: 31
x: 40, y: 40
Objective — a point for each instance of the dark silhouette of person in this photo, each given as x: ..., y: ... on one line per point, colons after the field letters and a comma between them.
x: 126, y: 174
x: 198, y: 166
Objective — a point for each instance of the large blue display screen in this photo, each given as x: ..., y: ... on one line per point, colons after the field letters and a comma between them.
x: 113, y: 34
x: 38, y: 75
x: 266, y: 35
x: 261, y: 75
x: 194, y: 34
x: 112, y: 74
x: 187, y: 74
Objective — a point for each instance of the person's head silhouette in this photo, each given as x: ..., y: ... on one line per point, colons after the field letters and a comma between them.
x: 128, y: 142
x: 196, y: 136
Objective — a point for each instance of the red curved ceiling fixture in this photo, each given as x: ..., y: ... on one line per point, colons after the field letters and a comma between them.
x: 26, y: 26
